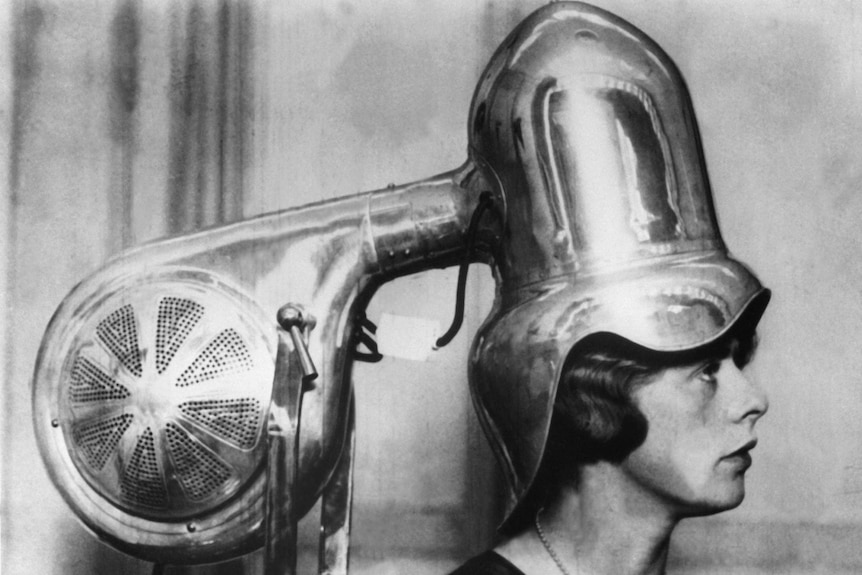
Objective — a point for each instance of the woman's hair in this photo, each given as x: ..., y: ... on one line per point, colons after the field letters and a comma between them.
x: 595, y: 417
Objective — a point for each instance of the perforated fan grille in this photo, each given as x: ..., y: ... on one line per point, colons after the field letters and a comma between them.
x: 90, y: 383
x: 165, y: 397
x: 236, y: 420
x: 177, y: 318
x: 200, y: 472
x: 227, y: 355
x: 119, y: 331
x: 142, y: 482
x: 98, y: 440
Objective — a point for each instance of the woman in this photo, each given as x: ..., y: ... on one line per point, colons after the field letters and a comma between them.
x: 608, y: 379
x: 638, y: 441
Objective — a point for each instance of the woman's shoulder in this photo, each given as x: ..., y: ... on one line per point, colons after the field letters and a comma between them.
x: 487, y: 563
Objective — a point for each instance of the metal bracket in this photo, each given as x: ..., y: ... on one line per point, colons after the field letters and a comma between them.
x: 364, y: 335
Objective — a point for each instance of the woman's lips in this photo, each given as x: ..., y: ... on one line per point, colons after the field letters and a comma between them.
x: 741, y: 458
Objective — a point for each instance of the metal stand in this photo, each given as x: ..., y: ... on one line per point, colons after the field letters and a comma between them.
x: 291, y: 381
x: 335, y: 513
x: 283, y: 435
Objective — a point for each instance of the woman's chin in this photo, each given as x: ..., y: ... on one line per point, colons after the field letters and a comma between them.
x: 725, y: 498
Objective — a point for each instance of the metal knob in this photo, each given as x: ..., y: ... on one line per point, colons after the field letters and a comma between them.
x: 294, y: 320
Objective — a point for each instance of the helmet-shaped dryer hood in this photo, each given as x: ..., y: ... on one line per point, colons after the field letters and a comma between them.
x: 587, y: 132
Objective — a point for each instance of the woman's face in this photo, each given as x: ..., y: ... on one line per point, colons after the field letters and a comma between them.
x: 701, y: 429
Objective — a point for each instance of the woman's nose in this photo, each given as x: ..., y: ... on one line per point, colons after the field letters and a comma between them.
x: 748, y: 400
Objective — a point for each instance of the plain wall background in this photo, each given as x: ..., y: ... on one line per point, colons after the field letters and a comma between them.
x: 121, y: 122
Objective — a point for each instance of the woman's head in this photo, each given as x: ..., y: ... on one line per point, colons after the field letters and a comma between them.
x: 655, y: 415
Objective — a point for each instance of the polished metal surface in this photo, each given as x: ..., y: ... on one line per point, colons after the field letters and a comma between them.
x: 327, y: 257
x: 586, y: 130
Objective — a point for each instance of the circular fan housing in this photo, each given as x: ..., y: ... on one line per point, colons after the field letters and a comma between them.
x: 150, y: 406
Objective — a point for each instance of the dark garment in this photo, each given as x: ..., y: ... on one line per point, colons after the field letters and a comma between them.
x: 488, y: 563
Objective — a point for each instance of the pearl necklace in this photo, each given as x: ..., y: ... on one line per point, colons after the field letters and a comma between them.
x: 547, y: 544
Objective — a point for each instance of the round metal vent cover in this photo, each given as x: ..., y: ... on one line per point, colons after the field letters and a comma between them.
x: 157, y: 392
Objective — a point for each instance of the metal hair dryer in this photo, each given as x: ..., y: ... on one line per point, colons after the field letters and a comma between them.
x: 153, y: 383
x: 155, y: 376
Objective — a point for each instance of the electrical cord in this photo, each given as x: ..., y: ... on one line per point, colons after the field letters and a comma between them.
x: 485, y: 201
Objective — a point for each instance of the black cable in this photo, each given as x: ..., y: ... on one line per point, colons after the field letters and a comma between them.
x: 364, y: 335
x: 485, y: 201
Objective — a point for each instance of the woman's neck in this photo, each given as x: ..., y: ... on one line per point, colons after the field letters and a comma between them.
x: 604, y: 526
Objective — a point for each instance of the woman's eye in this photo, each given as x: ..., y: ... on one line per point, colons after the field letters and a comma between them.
x: 709, y: 371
